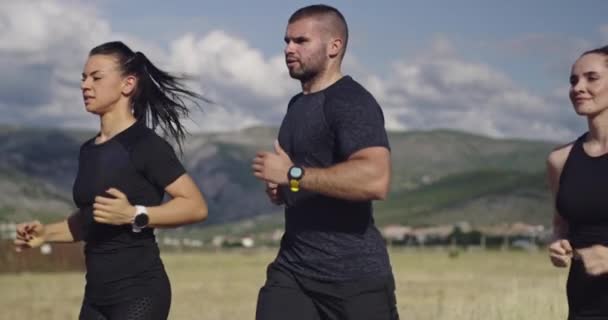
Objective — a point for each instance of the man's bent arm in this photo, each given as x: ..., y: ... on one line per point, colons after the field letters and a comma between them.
x: 365, y: 175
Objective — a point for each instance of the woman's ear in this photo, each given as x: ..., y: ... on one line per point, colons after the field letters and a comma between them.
x: 129, y: 85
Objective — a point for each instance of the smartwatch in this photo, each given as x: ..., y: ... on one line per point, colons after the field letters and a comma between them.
x: 141, y: 219
x: 294, y: 175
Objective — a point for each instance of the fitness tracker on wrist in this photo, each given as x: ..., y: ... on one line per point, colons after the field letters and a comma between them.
x: 141, y: 218
x: 294, y: 175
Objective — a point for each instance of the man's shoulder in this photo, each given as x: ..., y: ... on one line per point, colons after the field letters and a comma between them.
x: 346, y: 84
x: 294, y: 99
x: 348, y: 90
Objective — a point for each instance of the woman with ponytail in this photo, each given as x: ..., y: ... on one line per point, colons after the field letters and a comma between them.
x: 123, y: 175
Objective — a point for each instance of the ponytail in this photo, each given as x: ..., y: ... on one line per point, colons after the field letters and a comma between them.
x: 160, y: 98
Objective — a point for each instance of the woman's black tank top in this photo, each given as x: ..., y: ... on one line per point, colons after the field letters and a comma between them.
x: 582, y: 200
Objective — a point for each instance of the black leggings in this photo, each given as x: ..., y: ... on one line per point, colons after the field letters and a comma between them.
x: 141, y: 308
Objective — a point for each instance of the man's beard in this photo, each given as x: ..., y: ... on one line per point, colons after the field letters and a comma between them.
x: 302, y: 75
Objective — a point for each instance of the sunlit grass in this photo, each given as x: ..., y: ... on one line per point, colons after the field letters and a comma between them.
x: 431, y: 285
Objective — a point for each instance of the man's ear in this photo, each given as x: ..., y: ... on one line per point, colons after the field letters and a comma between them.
x: 335, y: 47
x: 129, y: 85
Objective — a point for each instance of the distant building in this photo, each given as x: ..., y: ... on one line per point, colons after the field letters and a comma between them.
x: 396, y: 233
x: 8, y: 231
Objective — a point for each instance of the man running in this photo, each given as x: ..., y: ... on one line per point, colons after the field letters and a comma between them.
x: 331, y: 160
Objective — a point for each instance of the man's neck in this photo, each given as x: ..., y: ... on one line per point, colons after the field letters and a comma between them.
x: 321, y: 82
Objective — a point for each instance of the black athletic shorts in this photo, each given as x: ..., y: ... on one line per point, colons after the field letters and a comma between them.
x: 289, y: 296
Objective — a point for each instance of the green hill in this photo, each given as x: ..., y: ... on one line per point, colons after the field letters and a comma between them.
x: 439, y: 176
x: 24, y: 198
x: 479, y: 197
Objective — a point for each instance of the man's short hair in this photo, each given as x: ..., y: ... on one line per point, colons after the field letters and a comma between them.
x: 338, y: 23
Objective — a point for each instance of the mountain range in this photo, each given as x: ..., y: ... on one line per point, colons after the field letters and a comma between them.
x: 439, y: 176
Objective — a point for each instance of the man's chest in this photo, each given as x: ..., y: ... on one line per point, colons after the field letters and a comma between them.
x: 306, y: 134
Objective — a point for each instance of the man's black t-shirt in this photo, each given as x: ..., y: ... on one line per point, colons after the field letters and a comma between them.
x: 328, y: 238
x: 120, y: 263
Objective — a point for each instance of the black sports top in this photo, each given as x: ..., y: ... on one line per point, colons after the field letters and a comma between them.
x: 140, y: 164
x: 582, y: 200
x: 328, y: 238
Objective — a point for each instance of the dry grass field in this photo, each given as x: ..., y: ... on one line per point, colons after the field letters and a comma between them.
x: 223, y: 285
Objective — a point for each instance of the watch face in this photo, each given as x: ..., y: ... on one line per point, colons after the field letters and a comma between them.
x: 295, y: 172
x: 141, y: 220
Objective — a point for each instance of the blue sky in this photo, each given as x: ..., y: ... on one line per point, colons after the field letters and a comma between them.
x: 498, y: 68
x: 381, y: 30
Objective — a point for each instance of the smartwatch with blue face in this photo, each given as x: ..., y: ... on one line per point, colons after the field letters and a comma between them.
x: 294, y: 175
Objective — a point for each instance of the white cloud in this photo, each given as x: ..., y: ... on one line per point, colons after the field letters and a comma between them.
x: 236, y: 76
x: 445, y: 91
x: 43, y: 45
x: 230, y: 61
x: 34, y: 27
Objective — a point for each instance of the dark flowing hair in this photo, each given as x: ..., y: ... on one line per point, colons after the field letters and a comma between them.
x: 159, y: 98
